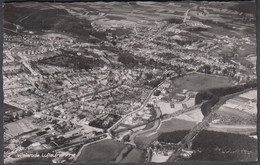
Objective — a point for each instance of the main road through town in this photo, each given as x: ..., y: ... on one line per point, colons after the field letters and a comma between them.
x: 138, y: 109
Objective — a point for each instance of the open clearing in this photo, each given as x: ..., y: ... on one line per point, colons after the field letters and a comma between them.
x: 103, y: 152
x: 20, y: 126
x: 167, y: 109
x: 200, y: 81
x: 194, y: 116
x: 231, y: 116
x: 239, y: 110
x: 175, y: 124
x: 233, y: 112
x: 250, y: 95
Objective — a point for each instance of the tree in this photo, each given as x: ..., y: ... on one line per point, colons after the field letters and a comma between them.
x: 224, y: 72
x: 81, y: 116
x: 149, y: 75
x: 157, y: 93
x: 22, y: 115
x: 126, y: 59
x: 29, y: 113
x: 205, y: 69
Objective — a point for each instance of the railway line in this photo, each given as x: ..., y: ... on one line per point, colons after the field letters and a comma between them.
x: 186, y: 142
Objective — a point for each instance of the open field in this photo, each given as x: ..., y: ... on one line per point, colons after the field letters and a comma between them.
x: 134, y: 156
x: 237, y: 129
x: 249, y: 95
x: 123, y: 153
x: 194, y: 116
x: 199, y: 81
x: 233, y: 112
x: 20, y: 126
x: 175, y: 124
x: 144, y: 140
x: 104, y: 151
x: 232, y: 116
x: 239, y: 110
x: 167, y: 109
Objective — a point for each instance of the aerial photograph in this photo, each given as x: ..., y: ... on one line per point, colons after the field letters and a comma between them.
x: 129, y: 82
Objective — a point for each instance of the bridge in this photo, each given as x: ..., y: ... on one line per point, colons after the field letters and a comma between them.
x: 186, y: 142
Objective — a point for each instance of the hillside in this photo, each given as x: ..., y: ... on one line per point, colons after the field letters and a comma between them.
x: 48, y: 19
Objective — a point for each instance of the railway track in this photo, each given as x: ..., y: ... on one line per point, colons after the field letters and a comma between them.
x: 187, y: 140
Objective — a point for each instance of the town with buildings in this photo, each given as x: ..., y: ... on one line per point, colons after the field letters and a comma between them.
x: 151, y: 80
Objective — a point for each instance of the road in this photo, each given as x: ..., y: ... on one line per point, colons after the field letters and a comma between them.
x: 187, y: 140
x: 182, y: 111
x: 162, y: 117
x: 76, y: 157
x: 156, y: 121
x: 81, y: 96
x: 57, y: 118
x: 108, y: 135
x: 155, y: 125
x: 86, y: 142
x: 111, y: 128
x: 138, y: 109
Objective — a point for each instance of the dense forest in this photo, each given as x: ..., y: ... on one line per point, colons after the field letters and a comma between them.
x: 216, y: 146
